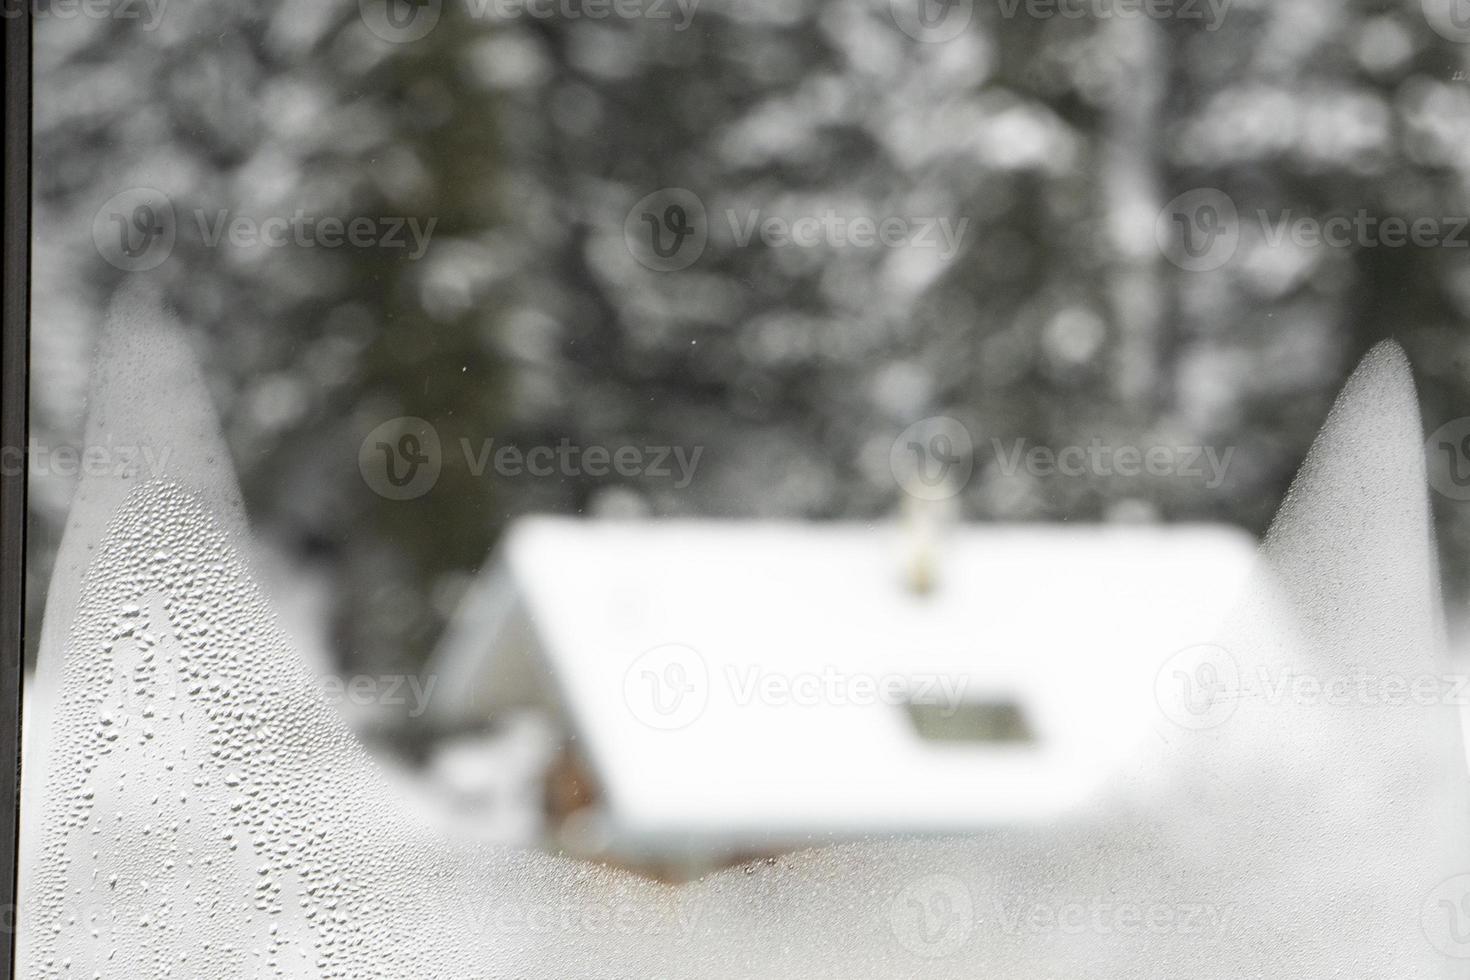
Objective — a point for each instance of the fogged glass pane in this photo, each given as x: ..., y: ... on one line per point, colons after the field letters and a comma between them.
x: 843, y: 488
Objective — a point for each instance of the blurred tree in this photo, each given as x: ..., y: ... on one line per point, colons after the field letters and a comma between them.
x: 528, y: 140
x: 297, y: 110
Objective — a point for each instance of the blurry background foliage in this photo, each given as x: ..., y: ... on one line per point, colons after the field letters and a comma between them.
x: 529, y: 140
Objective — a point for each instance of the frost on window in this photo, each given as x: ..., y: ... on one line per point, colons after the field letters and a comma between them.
x: 193, y: 807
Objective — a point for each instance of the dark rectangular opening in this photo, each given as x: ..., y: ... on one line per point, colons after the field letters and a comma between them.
x: 996, y: 721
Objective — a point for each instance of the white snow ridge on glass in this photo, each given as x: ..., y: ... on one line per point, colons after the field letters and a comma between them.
x: 195, y: 809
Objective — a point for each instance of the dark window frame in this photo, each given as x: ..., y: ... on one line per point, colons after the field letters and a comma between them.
x: 15, y: 213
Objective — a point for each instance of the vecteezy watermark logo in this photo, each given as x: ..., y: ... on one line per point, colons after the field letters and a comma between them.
x: 365, y: 690
x: 401, y: 459
x: 1201, y: 230
x: 1447, y: 458
x: 148, y: 12
x: 401, y: 21
x: 667, y: 230
x: 1198, y: 230
x: 674, y: 463
x: 933, y: 916
x: 667, y: 688
x: 834, y: 687
x: 406, y: 21
x: 1445, y: 917
x: 1198, y: 687
x: 1110, y: 916
x: 933, y: 459
x: 135, y: 231
x: 932, y: 21
x: 1211, y: 13
x: 93, y: 460
x: 829, y: 229
x: 303, y: 230
x: 1207, y: 464
x: 584, y: 914
x: 1450, y: 19
x: 670, y: 229
x: 1201, y: 687
x: 670, y: 686
x: 679, y: 12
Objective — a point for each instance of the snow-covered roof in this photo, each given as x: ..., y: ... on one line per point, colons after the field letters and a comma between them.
x: 746, y: 683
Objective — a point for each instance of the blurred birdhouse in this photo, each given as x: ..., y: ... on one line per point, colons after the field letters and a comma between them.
x: 725, y: 690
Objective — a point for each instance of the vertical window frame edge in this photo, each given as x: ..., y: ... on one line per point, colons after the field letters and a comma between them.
x: 15, y: 212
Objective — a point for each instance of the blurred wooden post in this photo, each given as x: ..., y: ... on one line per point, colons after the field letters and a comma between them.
x: 1132, y: 198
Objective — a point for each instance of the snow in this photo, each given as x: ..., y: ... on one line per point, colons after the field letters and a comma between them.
x: 801, y: 645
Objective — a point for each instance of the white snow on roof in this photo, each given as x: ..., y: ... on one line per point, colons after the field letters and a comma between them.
x: 727, y: 680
